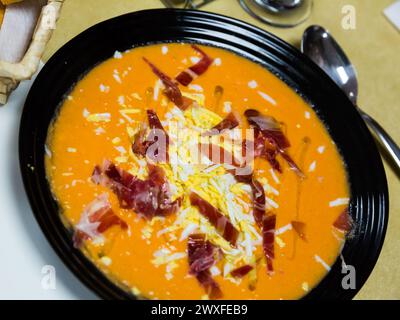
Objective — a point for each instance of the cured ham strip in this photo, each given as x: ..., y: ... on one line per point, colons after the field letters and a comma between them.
x: 201, y: 254
x: 171, y: 90
x: 228, y: 123
x: 149, y: 198
x: 344, y: 222
x: 202, y: 66
x: 292, y: 164
x: 157, y: 137
x: 242, y: 178
x: 268, y: 233
x: 259, y: 202
x: 159, y: 134
x: 187, y: 76
x: 97, y: 218
x: 241, y: 271
x: 260, y: 147
x: 210, y: 285
x: 154, y: 121
x: 216, y: 218
x: 270, y: 155
x: 272, y: 132
x: 300, y: 228
x: 140, y: 143
x: 266, y: 223
x: 269, y: 127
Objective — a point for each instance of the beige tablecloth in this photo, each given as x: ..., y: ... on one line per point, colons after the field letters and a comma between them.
x: 374, y: 47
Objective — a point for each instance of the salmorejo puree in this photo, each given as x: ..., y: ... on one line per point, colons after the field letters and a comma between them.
x: 187, y: 172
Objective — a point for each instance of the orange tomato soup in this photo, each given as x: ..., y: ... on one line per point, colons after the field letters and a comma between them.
x: 99, y: 121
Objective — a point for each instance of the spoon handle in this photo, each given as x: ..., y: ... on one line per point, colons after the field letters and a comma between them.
x: 383, y: 138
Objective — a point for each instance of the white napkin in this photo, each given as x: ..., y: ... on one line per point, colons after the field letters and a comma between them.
x: 392, y: 13
x: 17, y: 29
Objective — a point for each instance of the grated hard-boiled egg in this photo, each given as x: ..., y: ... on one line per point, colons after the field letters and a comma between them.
x: 189, y: 171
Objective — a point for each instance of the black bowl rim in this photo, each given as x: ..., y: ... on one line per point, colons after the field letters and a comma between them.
x: 376, y: 201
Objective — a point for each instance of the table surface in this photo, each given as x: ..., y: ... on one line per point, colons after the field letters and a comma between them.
x: 373, y: 46
x: 25, y: 252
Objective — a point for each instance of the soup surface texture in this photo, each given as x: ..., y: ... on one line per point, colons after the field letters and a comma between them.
x: 168, y: 226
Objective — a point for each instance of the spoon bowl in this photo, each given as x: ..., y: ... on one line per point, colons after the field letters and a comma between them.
x: 322, y: 48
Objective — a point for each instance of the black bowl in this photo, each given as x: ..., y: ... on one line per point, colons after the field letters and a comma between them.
x: 369, y: 204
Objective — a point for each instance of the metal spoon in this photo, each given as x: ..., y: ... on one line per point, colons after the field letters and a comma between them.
x: 322, y: 48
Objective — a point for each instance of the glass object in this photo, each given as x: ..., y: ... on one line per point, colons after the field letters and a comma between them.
x: 279, y: 13
x: 185, y: 4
